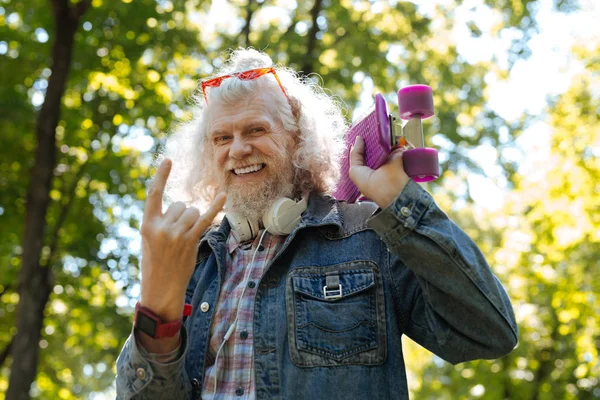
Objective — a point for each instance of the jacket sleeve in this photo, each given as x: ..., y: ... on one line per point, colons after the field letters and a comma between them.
x: 138, y: 377
x: 449, y: 299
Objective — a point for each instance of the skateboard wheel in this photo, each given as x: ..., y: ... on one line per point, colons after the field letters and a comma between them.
x: 421, y: 164
x: 415, y: 100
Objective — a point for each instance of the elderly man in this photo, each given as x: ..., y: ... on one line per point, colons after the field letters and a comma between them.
x: 295, y: 295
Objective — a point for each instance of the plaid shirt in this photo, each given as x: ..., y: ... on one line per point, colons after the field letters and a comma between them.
x: 235, y: 367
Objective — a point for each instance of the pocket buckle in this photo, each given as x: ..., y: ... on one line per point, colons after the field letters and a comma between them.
x: 330, y: 294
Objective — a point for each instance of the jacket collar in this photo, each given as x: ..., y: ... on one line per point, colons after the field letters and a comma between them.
x: 323, y: 211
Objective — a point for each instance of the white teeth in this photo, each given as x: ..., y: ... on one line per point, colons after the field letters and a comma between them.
x: 247, y: 170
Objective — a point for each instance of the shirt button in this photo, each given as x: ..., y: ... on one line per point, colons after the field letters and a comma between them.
x: 261, y: 248
x: 204, y: 306
x: 141, y: 373
x: 405, y: 211
x: 251, y: 284
x: 239, y: 391
x: 244, y: 335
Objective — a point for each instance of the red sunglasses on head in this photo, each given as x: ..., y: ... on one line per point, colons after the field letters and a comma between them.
x: 245, y: 76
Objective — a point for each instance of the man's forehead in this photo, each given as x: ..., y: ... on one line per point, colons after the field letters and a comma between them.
x: 255, y: 108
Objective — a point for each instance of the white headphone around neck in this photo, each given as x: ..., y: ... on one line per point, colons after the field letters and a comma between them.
x: 279, y: 219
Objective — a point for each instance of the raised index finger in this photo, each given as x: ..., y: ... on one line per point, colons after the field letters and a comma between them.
x: 156, y: 190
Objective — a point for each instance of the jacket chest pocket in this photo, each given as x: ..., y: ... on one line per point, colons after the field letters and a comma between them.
x: 336, y: 315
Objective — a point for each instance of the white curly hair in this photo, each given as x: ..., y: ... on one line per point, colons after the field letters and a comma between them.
x: 315, y: 119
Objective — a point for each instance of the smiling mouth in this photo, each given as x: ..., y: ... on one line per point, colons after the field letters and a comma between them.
x: 251, y: 169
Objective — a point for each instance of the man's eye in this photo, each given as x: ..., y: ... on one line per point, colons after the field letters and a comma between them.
x: 257, y: 130
x: 221, y: 139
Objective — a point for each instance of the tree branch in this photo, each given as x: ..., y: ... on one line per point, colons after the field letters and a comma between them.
x: 251, y: 8
x: 345, y: 35
x: 292, y: 26
x: 6, y: 352
x: 308, y: 66
x: 79, y: 9
x: 246, y: 29
x: 63, y: 215
x: 6, y: 289
x: 339, y: 39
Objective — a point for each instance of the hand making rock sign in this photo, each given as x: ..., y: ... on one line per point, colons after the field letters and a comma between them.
x: 169, y: 248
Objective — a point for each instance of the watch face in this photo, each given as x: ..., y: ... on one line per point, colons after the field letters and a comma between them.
x: 146, y: 324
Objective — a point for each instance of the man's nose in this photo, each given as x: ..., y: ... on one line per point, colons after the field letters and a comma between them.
x: 240, y: 148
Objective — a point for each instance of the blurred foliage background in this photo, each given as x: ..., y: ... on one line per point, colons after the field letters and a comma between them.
x: 132, y: 68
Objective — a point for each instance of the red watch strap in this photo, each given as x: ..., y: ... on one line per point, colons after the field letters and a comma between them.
x: 187, y: 310
x: 167, y: 329
x: 161, y: 329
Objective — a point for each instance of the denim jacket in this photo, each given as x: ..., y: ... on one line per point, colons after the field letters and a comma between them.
x: 332, y: 306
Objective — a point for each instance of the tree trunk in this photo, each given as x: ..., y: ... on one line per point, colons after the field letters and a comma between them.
x: 35, y: 280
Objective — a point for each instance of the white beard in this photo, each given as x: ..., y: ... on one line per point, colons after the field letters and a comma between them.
x: 251, y: 201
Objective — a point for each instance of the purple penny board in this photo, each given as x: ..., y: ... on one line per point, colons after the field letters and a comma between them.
x: 421, y: 164
x: 374, y: 128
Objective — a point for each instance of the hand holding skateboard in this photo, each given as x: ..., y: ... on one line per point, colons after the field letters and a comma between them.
x: 382, y: 139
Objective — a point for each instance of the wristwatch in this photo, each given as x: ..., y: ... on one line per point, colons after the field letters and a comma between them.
x: 152, y: 325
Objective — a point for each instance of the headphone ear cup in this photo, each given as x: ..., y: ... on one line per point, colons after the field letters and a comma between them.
x: 283, y: 215
x: 270, y: 220
x: 243, y: 227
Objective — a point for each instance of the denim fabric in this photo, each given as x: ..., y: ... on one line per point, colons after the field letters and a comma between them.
x: 340, y: 331
x: 404, y: 270
x: 136, y: 374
